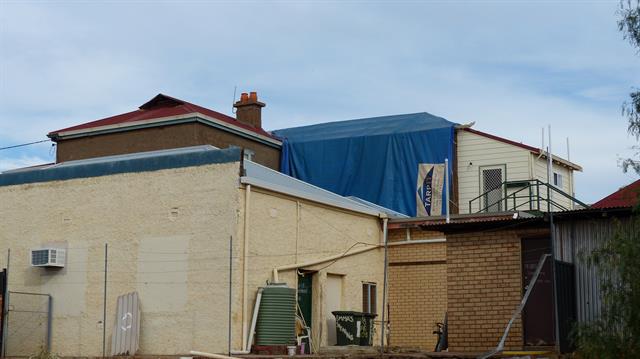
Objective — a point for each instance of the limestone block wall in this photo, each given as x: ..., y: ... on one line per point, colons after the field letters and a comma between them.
x: 168, y: 235
x: 285, y: 230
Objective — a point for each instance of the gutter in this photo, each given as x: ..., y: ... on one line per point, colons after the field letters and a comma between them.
x: 169, y: 120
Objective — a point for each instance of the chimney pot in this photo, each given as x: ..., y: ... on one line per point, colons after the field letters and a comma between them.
x: 249, y: 109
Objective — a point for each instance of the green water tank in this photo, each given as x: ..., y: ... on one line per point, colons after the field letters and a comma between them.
x: 277, y: 316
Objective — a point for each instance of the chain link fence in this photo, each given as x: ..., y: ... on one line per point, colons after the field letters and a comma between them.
x: 28, y: 323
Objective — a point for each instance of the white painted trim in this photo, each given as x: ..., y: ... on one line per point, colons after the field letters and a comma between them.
x: 240, y: 129
x: 299, y: 194
x: 159, y: 121
x: 562, y: 161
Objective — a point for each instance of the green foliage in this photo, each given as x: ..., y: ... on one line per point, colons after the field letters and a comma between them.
x: 44, y: 354
x: 629, y: 25
x: 616, y: 334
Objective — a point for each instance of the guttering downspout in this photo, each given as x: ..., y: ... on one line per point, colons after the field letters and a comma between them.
x: 384, y: 287
x: 245, y: 256
x: 446, y: 186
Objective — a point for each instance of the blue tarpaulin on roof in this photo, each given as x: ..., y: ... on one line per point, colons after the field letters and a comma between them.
x: 393, y: 161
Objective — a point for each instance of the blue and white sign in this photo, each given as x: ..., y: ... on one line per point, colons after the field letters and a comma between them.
x: 429, y: 189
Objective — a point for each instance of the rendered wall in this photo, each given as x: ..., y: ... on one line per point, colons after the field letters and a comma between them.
x: 417, y: 288
x: 285, y: 230
x: 168, y: 234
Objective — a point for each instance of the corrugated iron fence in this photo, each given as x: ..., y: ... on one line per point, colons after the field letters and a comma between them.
x: 28, y: 323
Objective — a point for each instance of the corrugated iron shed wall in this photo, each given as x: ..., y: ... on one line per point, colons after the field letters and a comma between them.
x: 575, y: 239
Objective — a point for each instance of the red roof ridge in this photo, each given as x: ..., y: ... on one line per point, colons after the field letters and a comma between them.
x: 532, y: 149
x: 502, y: 139
x: 161, y: 106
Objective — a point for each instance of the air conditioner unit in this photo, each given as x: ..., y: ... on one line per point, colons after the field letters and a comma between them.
x: 48, y: 257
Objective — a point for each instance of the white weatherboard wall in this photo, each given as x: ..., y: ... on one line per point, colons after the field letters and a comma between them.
x: 476, y: 151
x: 168, y: 234
x: 540, y: 172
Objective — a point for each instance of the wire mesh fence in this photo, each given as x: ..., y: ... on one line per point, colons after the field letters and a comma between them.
x: 28, y: 323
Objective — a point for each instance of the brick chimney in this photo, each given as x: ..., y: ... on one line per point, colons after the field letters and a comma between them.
x: 249, y: 109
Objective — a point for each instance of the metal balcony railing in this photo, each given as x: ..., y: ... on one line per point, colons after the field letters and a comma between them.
x: 526, y: 195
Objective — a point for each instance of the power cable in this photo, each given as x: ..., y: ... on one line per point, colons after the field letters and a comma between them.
x: 24, y: 144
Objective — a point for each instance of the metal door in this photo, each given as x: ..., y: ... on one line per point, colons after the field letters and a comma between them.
x: 538, y: 316
x: 491, y: 179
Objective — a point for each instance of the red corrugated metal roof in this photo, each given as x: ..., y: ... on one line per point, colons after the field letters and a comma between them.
x: 159, y: 107
x: 502, y: 139
x: 627, y: 196
x: 466, y: 218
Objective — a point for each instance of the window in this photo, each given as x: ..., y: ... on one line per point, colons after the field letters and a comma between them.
x: 369, y: 298
x: 248, y: 154
x: 557, y: 180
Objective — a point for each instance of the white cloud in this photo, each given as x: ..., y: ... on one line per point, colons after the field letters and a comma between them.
x: 511, y: 67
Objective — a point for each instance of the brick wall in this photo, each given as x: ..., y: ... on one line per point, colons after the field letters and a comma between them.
x: 417, y: 289
x: 484, y: 286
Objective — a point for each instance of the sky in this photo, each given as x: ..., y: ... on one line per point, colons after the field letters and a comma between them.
x: 512, y: 67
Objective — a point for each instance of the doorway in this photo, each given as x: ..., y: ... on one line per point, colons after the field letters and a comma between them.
x: 491, y: 180
x: 305, y: 296
x: 538, y: 314
x: 305, y: 305
x: 333, y: 302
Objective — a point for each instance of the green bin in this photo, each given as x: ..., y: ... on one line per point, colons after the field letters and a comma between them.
x: 354, y: 328
x: 366, y: 329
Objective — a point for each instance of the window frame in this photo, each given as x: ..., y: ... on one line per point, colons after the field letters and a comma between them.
x: 369, y: 292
